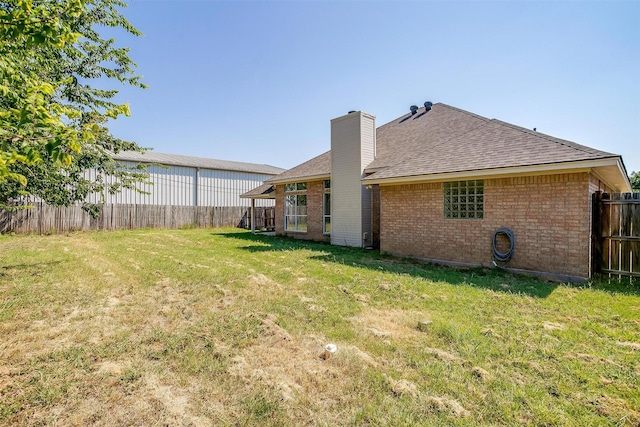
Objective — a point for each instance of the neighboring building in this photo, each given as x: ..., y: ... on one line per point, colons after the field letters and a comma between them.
x: 190, y: 181
x: 184, y: 191
x: 437, y: 183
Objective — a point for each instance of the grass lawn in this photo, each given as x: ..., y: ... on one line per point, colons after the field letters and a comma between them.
x: 220, y: 327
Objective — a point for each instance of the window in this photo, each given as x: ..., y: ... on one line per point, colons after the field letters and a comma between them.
x: 295, y: 207
x: 464, y: 199
x: 295, y: 186
x: 326, y: 214
x: 326, y: 207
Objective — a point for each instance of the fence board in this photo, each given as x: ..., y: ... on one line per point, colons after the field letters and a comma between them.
x: 43, y: 218
x: 618, y: 233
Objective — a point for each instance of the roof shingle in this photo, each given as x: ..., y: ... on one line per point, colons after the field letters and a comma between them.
x: 491, y: 145
x: 318, y: 167
x: 449, y: 140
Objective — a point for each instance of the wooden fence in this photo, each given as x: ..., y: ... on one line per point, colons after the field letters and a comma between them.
x: 45, y: 219
x: 265, y: 219
x: 616, y: 231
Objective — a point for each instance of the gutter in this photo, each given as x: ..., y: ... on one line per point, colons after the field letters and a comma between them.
x: 579, y: 166
x: 298, y: 179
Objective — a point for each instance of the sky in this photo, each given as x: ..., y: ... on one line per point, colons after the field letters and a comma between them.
x: 260, y: 81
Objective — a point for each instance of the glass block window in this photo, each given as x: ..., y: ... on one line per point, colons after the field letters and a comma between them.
x: 295, y: 212
x: 464, y: 199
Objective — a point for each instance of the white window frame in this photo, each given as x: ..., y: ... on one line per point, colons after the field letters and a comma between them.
x: 295, y: 213
x: 326, y: 216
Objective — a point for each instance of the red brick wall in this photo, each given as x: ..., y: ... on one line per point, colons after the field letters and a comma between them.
x: 315, y: 190
x: 375, y: 216
x: 549, y: 216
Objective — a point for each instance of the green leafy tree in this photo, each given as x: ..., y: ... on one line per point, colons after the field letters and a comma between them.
x: 635, y: 181
x: 53, y: 122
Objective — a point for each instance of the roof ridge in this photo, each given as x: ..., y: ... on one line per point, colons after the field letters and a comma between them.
x: 406, y: 116
x: 186, y: 156
x: 158, y: 158
x: 460, y: 110
x: 550, y: 138
x: 485, y: 120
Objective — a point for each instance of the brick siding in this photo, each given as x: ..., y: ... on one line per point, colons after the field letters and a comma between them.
x: 548, y: 214
x: 315, y: 191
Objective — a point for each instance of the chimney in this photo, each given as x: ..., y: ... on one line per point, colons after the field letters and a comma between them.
x: 353, y: 147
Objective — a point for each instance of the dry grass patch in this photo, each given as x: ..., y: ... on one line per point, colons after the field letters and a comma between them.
x: 391, y: 323
x: 218, y: 327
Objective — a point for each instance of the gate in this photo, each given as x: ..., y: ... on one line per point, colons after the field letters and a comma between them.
x: 616, y: 234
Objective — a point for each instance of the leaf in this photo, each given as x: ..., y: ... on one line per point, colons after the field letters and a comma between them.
x: 52, y: 120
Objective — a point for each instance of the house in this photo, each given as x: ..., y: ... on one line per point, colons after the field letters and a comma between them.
x: 448, y: 186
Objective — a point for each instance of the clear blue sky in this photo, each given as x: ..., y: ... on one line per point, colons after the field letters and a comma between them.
x: 260, y: 81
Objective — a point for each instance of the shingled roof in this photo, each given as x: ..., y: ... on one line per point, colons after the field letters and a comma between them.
x: 473, y: 144
x: 317, y: 168
x: 265, y: 191
x: 446, y: 142
x: 404, y: 137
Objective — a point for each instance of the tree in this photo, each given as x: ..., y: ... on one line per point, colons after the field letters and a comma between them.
x: 53, y: 122
x: 635, y: 181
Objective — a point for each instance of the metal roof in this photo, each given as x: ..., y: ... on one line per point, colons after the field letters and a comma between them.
x: 196, y: 162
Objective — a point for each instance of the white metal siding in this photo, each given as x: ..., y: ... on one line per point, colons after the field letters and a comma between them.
x: 352, y: 148
x: 186, y: 186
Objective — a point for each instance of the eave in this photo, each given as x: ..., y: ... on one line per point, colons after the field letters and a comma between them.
x: 299, y: 179
x: 609, y: 170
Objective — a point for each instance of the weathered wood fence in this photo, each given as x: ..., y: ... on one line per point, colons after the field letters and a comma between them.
x: 45, y: 219
x: 616, y: 234
x: 265, y: 218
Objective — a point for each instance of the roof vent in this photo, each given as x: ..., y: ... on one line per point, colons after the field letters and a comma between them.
x: 414, y: 109
x: 428, y: 105
x: 351, y: 112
